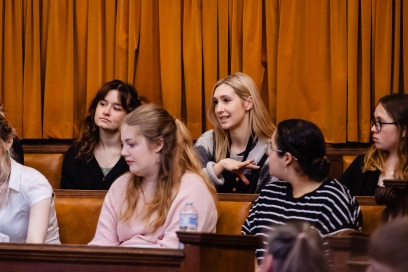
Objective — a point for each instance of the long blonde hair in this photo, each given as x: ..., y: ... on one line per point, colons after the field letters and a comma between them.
x: 177, y: 158
x: 259, y: 120
x: 7, y: 133
x: 396, y: 105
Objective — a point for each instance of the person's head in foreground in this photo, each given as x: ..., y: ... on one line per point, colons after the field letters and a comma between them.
x: 294, y: 247
x: 388, y: 247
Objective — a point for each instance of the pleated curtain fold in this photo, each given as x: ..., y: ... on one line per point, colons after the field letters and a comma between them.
x: 327, y: 61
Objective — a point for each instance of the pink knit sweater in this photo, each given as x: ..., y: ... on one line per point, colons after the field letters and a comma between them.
x: 112, y: 232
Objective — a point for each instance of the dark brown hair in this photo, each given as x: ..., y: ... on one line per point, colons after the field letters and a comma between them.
x: 305, y: 141
x: 89, y: 135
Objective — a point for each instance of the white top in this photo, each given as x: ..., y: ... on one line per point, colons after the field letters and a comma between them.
x: 26, y: 187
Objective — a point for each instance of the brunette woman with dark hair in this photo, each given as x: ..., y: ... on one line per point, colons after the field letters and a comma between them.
x: 95, y: 162
x: 388, y: 156
x: 297, y: 157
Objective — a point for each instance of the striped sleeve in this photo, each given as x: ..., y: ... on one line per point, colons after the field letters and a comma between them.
x: 204, y: 148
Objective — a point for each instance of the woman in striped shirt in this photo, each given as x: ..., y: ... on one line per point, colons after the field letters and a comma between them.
x: 297, y: 155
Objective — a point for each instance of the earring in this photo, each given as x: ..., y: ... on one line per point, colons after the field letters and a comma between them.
x: 286, y: 170
x: 8, y: 153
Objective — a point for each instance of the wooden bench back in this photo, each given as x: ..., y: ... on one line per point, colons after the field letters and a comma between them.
x: 78, y: 213
x: 347, y: 160
x: 49, y: 164
x: 373, y: 214
x: 233, y: 211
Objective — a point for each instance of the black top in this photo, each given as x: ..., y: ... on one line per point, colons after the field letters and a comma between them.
x: 18, y: 150
x: 80, y: 175
x: 233, y: 183
x: 359, y: 183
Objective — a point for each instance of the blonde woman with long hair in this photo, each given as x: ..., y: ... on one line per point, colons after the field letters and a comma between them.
x: 233, y: 153
x: 142, y: 208
x: 27, y: 210
x: 388, y: 156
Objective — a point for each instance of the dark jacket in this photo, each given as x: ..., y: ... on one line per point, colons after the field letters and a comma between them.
x: 359, y: 183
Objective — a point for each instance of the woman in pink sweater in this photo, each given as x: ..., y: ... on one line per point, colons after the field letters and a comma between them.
x: 142, y: 207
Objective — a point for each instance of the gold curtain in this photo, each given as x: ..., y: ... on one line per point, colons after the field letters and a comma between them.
x: 327, y: 61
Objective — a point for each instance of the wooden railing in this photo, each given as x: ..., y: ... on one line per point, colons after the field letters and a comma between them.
x: 202, y: 252
x: 335, y: 152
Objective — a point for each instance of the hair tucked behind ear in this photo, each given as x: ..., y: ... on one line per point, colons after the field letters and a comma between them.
x: 305, y: 141
x: 177, y: 157
x: 296, y: 247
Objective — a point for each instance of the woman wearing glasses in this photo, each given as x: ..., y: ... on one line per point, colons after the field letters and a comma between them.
x: 232, y: 154
x: 388, y: 156
x: 297, y: 157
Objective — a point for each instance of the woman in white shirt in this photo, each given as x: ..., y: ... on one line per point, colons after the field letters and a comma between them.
x: 27, y: 211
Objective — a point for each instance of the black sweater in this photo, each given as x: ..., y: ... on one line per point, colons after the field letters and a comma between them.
x: 359, y: 183
x: 82, y: 175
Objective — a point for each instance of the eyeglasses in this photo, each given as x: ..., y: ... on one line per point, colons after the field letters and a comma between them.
x: 269, y: 148
x: 378, y: 124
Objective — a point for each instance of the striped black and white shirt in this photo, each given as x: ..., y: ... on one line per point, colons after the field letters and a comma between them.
x: 330, y: 209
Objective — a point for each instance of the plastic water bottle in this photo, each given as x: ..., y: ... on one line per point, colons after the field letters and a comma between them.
x: 188, y: 217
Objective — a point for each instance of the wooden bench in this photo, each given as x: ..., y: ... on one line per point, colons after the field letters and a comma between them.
x: 46, y: 156
x: 49, y: 164
x: 78, y: 213
x: 373, y: 214
x: 348, y: 251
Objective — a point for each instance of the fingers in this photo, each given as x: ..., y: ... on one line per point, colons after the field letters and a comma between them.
x: 244, y: 179
x: 249, y: 165
x: 246, y: 164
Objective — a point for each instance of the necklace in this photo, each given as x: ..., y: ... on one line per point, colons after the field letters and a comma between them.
x: 105, y: 171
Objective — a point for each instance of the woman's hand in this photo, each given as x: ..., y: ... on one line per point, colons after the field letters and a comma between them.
x: 236, y: 167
